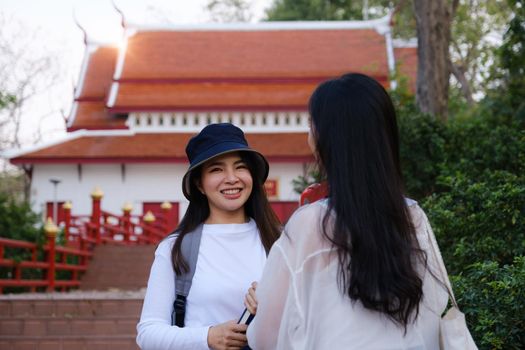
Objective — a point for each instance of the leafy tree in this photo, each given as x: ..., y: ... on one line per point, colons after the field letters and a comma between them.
x: 229, y: 10
x: 290, y: 10
x: 508, y: 96
x: 473, y: 26
x: 340, y: 10
x: 24, y: 75
x: 12, y: 185
x: 476, y: 26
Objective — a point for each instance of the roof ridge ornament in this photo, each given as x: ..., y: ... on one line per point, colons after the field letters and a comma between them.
x: 121, y: 13
x: 75, y: 19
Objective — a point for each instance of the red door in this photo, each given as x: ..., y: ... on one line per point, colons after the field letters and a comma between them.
x: 60, y: 212
x: 173, y: 214
x: 284, y: 210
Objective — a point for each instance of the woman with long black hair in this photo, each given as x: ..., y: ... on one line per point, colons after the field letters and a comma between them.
x: 229, y: 209
x: 351, y: 271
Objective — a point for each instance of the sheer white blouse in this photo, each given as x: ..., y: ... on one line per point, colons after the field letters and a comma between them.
x: 302, y: 307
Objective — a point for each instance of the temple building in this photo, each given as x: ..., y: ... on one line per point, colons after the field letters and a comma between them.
x: 136, y: 106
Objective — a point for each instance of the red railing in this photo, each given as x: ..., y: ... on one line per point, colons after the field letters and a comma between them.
x: 81, y: 234
x: 55, y: 259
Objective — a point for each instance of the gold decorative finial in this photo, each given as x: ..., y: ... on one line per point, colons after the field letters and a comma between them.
x: 149, y: 217
x: 165, y: 205
x: 127, y: 208
x: 50, y: 228
x: 97, y: 193
x: 67, y: 205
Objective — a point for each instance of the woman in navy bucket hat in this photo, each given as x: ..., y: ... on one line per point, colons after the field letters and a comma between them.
x: 228, y: 208
x: 215, y: 140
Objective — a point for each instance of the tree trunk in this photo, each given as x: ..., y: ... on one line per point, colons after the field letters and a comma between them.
x: 459, y: 74
x: 433, y: 20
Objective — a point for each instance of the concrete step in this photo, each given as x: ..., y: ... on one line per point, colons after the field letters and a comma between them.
x: 120, y: 267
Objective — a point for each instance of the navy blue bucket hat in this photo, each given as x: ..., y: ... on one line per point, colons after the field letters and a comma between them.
x: 215, y: 140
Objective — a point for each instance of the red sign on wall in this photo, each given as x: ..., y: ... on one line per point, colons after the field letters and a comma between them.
x: 272, y: 188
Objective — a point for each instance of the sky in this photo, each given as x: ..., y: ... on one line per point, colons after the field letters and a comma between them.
x: 49, y: 28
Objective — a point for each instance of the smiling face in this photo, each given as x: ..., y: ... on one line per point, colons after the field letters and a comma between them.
x: 227, y: 183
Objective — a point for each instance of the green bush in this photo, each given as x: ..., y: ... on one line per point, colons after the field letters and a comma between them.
x: 493, y: 299
x: 18, y: 221
x: 476, y: 144
x: 479, y: 220
x: 422, y: 150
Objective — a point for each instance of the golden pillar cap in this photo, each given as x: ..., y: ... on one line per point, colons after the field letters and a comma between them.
x: 97, y: 193
x: 50, y: 228
x: 166, y: 205
x: 149, y: 217
x: 128, y: 207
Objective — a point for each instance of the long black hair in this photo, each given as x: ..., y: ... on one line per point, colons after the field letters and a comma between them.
x: 356, y: 138
x: 256, y: 207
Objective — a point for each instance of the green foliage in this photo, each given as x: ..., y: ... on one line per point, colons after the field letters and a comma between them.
x: 289, y: 10
x: 476, y: 144
x: 512, y: 58
x: 493, y: 298
x: 6, y: 100
x: 229, y: 10
x: 17, y: 221
x: 474, y: 23
x: 12, y: 185
x: 311, y: 176
x: 473, y: 168
x: 343, y: 10
x: 422, y: 145
x: 479, y: 220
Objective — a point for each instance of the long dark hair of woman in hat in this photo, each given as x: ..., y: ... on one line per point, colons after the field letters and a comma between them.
x: 353, y: 269
x: 227, y: 204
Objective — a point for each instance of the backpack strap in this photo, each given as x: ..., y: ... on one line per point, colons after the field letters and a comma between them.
x: 190, y: 251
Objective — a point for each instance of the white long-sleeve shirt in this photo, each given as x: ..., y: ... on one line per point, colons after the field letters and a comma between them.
x: 231, y: 257
x: 302, y: 307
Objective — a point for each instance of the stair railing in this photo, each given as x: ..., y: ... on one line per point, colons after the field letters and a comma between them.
x: 55, y: 259
x: 81, y: 234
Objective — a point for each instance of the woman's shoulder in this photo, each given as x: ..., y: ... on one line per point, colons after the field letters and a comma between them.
x: 305, y: 225
x: 165, y: 246
x: 421, y: 224
x: 417, y: 214
x: 308, y: 214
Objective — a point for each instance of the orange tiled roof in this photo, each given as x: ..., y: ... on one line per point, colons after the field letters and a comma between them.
x: 263, y: 53
x: 99, y: 73
x: 164, y: 147
x: 90, y: 111
x: 90, y: 115
x: 226, y: 69
x: 148, y: 96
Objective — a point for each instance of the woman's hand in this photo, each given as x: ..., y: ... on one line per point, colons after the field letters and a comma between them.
x: 250, y: 300
x: 228, y: 335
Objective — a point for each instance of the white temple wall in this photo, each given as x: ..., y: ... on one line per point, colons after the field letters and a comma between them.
x: 138, y: 183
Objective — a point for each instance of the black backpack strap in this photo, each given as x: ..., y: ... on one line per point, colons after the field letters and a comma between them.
x: 190, y: 251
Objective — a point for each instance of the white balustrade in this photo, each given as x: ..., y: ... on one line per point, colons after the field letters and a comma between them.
x: 184, y: 122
